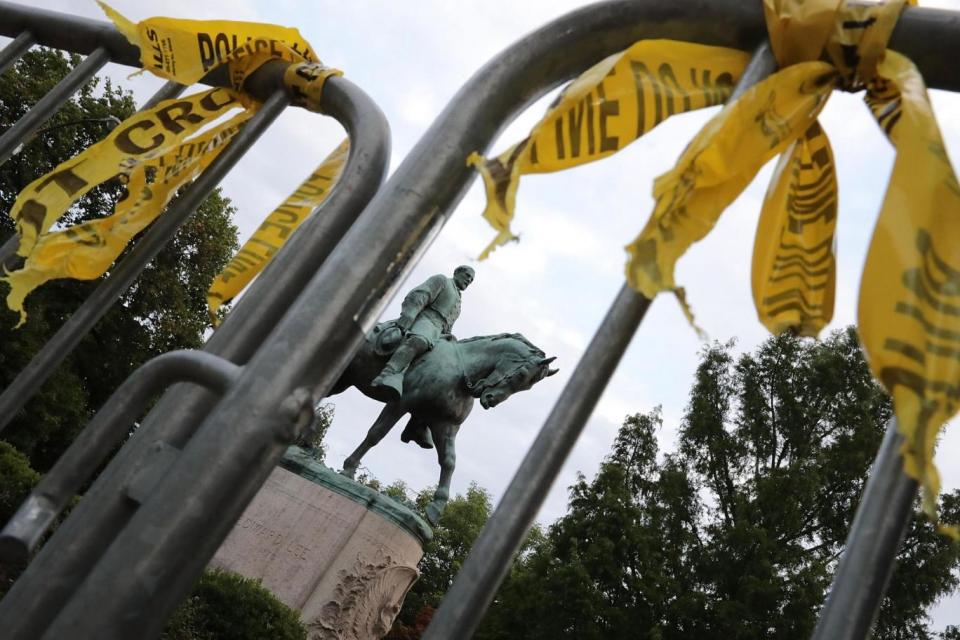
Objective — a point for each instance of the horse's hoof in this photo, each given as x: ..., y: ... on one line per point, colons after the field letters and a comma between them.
x: 348, y: 472
x: 434, y: 511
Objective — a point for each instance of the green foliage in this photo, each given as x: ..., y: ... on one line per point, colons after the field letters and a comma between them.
x: 225, y: 606
x: 453, y: 536
x: 443, y: 556
x: 165, y: 310
x: 313, y: 438
x: 737, y: 534
x: 16, y: 480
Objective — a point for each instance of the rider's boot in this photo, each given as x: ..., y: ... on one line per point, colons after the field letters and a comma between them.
x: 390, y: 379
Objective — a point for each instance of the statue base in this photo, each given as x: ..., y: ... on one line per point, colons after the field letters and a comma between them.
x: 341, y: 554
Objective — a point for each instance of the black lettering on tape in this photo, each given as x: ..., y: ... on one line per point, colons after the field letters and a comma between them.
x: 86, y: 236
x: 591, y: 143
x: 270, y: 249
x: 127, y: 145
x: 561, y: 154
x: 640, y: 71
x: 32, y: 213
x: 222, y: 46
x: 283, y: 232
x: 575, y: 124
x: 285, y: 211
x: 668, y: 78
x: 66, y: 179
x: 308, y: 190
x: 205, y: 48
x: 154, y: 39
x: 170, y: 118
x: 608, y: 108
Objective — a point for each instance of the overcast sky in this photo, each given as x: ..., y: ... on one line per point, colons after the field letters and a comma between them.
x: 556, y: 284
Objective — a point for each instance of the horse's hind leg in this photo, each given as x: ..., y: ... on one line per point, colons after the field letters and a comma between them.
x: 444, y: 437
x: 381, y: 427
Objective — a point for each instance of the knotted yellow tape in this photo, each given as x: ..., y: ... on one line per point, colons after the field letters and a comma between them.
x: 157, y: 150
x: 909, y: 309
x: 719, y: 163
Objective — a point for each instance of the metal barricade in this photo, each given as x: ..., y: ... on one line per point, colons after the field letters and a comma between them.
x: 270, y: 295
x: 148, y: 526
x: 342, y: 100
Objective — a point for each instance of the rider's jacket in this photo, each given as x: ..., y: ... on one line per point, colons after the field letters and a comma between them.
x: 433, y: 306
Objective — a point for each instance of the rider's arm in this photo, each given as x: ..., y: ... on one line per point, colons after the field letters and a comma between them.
x: 418, y: 299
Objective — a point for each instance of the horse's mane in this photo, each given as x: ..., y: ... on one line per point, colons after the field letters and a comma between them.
x: 516, y: 336
x: 534, y: 353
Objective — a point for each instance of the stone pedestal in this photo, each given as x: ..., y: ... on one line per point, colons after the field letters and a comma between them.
x: 341, y: 554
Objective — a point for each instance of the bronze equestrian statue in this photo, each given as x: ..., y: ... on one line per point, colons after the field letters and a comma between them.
x: 439, y: 387
x: 428, y: 311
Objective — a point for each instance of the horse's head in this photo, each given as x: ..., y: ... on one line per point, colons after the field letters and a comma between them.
x: 512, y: 374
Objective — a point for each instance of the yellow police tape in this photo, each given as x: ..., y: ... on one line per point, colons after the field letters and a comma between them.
x: 794, y: 268
x: 719, y: 163
x: 274, y: 232
x: 612, y: 104
x: 909, y: 308
x: 85, y: 251
x: 141, y: 137
x: 186, y: 50
x: 909, y: 311
x: 144, y: 148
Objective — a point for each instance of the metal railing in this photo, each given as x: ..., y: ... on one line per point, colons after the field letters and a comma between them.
x: 150, y: 523
x: 235, y: 340
x: 342, y: 100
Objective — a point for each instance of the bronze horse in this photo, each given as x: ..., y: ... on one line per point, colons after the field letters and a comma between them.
x: 438, y: 392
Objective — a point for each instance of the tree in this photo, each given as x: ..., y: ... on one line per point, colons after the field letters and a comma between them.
x: 165, y: 310
x: 453, y: 537
x: 737, y: 534
x: 312, y: 439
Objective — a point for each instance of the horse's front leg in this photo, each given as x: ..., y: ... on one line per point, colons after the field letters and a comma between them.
x: 445, y: 438
x: 381, y: 427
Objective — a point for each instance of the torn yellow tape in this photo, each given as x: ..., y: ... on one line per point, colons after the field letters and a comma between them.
x: 720, y: 161
x: 909, y: 311
x: 153, y: 141
x: 140, y: 138
x: 609, y: 106
x: 85, y: 251
x: 305, y: 81
x: 794, y: 268
x: 186, y: 50
x: 275, y: 230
